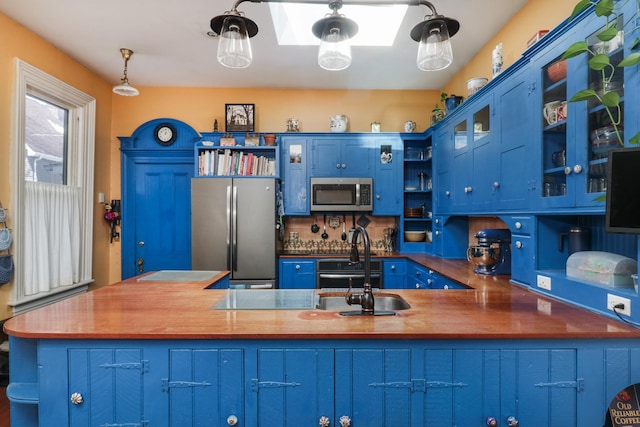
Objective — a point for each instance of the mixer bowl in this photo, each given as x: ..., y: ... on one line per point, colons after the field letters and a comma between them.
x: 485, y: 258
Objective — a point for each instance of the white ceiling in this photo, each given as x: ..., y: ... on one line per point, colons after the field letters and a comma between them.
x: 172, y: 48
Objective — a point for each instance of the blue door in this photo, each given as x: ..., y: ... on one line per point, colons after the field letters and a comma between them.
x: 156, y: 199
x: 162, y: 217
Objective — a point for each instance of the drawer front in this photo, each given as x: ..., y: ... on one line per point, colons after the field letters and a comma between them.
x: 523, y: 225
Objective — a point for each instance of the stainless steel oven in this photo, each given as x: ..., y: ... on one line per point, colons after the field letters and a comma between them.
x: 334, y: 274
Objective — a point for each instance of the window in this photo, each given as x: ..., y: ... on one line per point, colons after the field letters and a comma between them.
x: 51, y: 186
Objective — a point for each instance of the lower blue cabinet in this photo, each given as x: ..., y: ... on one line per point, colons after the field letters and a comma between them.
x: 394, y: 270
x: 297, y: 273
x: 373, y: 383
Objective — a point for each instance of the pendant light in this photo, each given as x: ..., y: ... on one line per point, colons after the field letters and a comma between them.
x: 334, y: 32
x: 434, y: 51
x: 124, y: 88
x: 234, y: 30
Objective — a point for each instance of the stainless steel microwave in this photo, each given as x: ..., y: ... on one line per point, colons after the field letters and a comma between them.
x: 341, y: 194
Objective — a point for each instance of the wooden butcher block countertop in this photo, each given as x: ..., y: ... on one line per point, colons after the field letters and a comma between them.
x: 140, y: 308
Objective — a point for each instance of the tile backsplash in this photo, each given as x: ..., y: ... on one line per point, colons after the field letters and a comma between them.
x: 299, y: 237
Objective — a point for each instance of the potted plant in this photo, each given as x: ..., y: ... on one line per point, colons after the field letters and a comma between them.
x: 600, y: 62
x: 439, y: 111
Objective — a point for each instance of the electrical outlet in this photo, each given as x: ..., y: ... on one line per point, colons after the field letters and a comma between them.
x: 544, y: 282
x: 613, y: 300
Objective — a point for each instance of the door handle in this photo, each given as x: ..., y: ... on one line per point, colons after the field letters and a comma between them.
x: 140, y: 264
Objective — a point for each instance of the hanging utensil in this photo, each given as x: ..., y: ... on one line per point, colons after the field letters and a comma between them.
x: 324, y: 233
x: 314, y: 227
x: 343, y: 236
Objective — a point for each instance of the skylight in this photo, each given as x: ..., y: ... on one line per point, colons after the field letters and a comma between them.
x: 377, y: 25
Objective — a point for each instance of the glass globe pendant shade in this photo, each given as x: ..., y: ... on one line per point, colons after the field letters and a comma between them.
x: 434, y: 50
x: 334, y: 53
x: 125, y: 89
x: 234, y: 48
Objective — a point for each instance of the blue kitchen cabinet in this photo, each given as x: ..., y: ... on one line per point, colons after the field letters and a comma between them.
x: 418, y: 192
x: 514, y: 100
x: 534, y: 386
x: 451, y: 236
x: 443, y: 168
x: 387, y: 174
x: 347, y: 156
x: 394, y: 270
x: 291, y: 387
x: 198, y: 377
x: 571, y: 171
x: 419, y: 277
x: 297, y: 273
x: 296, y: 382
x: 296, y: 158
x: 523, y: 253
x: 475, y: 157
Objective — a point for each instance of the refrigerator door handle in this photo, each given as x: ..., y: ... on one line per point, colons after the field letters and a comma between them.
x: 234, y: 242
x: 229, y: 227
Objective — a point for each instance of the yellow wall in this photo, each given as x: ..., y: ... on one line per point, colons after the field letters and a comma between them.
x: 19, y: 42
x: 535, y: 15
x: 120, y: 116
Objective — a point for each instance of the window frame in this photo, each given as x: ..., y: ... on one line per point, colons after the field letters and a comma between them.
x: 81, y: 159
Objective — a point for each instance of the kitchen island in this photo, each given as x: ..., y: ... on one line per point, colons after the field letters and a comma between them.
x: 158, y: 353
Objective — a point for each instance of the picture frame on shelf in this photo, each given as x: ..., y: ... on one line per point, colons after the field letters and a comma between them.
x: 239, y: 117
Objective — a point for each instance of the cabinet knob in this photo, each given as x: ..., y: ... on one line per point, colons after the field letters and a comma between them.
x: 437, y: 220
x: 447, y: 193
x: 417, y: 285
x: 518, y: 225
x: 76, y: 399
x: 429, y: 282
x: 567, y: 170
x: 377, y: 196
x: 297, y: 266
x: 577, y: 169
x: 232, y: 420
x: 512, y: 421
x: 324, y: 421
x: 519, y: 244
x: 343, y: 166
x: 393, y: 268
x: 468, y: 189
x: 141, y: 243
x: 345, y: 421
x: 437, y: 232
x: 492, y: 422
x: 417, y: 273
x: 446, y: 286
x: 337, y: 165
x: 431, y: 272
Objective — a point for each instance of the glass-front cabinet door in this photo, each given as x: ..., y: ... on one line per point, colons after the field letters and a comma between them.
x: 557, y: 152
x: 576, y: 136
x: 603, y: 128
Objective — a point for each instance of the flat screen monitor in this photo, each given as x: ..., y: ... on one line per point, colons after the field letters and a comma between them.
x: 623, y: 191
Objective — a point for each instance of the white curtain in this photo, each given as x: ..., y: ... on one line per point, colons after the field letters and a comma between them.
x: 52, y: 236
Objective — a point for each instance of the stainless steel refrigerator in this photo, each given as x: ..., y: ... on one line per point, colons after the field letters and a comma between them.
x: 233, y: 227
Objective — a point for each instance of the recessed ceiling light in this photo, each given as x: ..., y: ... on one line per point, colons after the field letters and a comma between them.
x: 377, y: 25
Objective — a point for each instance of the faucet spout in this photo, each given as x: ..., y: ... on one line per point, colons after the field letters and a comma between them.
x: 365, y: 299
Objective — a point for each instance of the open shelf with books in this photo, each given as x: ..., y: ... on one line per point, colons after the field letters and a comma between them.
x: 216, y: 158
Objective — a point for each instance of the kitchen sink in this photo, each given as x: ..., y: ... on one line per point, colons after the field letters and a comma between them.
x: 383, y: 302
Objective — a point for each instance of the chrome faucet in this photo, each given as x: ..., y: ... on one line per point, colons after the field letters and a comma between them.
x: 365, y: 299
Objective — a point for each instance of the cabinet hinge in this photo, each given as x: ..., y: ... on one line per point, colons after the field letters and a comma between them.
x: 140, y: 424
x: 577, y: 384
x: 256, y: 385
x: 166, y: 384
x: 418, y: 385
x: 143, y: 365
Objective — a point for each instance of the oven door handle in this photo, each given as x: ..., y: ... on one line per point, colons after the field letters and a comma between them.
x: 346, y: 276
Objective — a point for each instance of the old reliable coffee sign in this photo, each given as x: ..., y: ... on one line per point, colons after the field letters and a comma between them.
x: 624, y: 409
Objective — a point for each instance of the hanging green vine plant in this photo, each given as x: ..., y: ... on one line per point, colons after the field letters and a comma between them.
x: 600, y: 62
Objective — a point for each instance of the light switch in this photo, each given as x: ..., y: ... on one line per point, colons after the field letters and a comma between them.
x: 100, y: 197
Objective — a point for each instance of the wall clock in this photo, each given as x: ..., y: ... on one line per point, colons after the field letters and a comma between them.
x: 165, y: 134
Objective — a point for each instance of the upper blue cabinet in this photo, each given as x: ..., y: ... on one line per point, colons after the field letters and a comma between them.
x: 340, y: 156
x: 520, y: 145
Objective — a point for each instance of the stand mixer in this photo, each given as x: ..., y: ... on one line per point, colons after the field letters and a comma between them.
x: 492, y: 254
